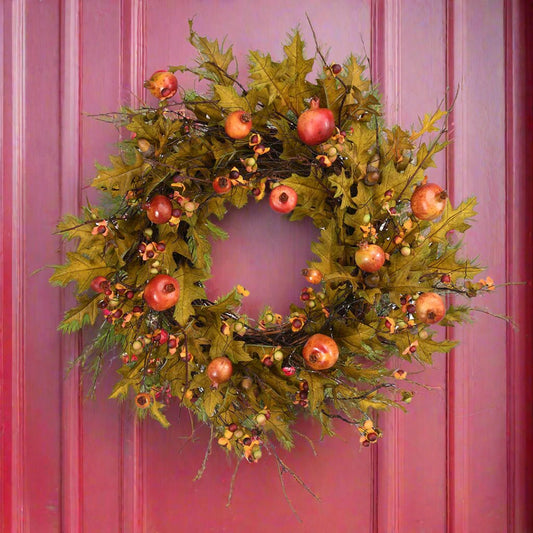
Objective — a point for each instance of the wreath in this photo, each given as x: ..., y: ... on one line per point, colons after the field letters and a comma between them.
x: 386, y: 257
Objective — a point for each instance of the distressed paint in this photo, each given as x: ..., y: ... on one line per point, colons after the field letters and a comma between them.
x: 457, y: 462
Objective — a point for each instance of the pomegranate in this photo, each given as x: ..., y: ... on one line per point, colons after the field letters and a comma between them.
x: 320, y: 352
x: 99, y: 284
x: 370, y: 257
x: 162, y: 84
x: 159, y: 209
x: 430, y: 307
x: 161, y: 292
x: 428, y: 201
x: 315, y: 125
x: 238, y: 124
x: 219, y: 370
x: 221, y: 185
x: 312, y: 275
x: 283, y: 199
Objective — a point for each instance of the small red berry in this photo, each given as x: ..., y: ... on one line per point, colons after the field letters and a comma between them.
x: 372, y: 436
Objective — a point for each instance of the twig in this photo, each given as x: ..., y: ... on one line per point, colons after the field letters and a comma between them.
x: 281, y: 471
x: 340, y: 417
x: 311, y: 443
x: 319, y: 52
x: 206, y: 456
x: 287, y: 469
x: 232, y: 483
x: 496, y: 315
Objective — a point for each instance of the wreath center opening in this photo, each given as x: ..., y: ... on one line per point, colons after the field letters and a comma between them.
x: 265, y: 253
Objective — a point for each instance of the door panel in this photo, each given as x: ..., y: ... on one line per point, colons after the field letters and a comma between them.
x: 457, y: 461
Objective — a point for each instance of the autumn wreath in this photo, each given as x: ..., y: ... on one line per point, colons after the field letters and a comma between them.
x: 384, y: 258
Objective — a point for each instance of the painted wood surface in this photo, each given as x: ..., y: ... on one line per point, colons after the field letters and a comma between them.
x: 457, y: 462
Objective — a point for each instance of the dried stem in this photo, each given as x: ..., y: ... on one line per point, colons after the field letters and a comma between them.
x: 206, y: 456
x: 281, y: 471
x: 232, y: 483
x: 286, y: 469
x: 311, y: 443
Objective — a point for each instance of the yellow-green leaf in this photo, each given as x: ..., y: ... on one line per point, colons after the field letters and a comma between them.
x: 80, y: 269
x: 120, y: 178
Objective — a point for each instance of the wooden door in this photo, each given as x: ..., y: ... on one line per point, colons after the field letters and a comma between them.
x: 458, y: 461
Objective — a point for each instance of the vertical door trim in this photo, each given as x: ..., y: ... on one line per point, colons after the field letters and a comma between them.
x: 70, y: 186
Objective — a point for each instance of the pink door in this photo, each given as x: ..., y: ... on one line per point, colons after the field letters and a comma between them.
x: 459, y: 461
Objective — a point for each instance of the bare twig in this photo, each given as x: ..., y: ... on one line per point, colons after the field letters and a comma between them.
x: 311, y: 443
x: 232, y: 483
x: 287, y: 469
x: 206, y: 456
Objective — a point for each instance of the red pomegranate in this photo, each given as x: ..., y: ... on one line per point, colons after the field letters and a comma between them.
x: 320, y: 352
x: 219, y: 370
x: 428, y: 201
x: 238, y: 124
x: 162, y: 84
x: 99, y: 284
x: 430, y: 308
x: 161, y: 292
x: 369, y: 257
x: 283, y: 199
x: 315, y: 125
x: 159, y: 209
